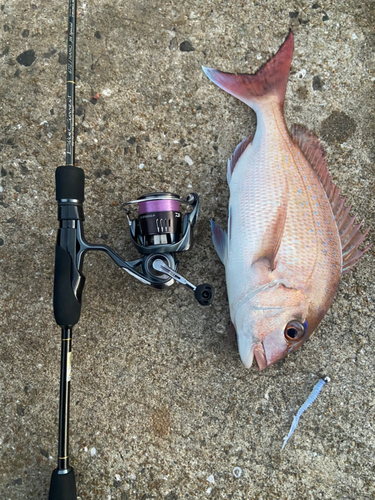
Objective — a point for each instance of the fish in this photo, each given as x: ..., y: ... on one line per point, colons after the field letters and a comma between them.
x: 289, y: 234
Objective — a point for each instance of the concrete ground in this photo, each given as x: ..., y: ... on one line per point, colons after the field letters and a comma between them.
x: 157, y: 406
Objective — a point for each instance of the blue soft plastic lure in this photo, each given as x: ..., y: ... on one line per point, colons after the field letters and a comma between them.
x: 312, y: 397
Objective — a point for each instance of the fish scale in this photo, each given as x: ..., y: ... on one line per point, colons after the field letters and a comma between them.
x: 257, y: 186
x: 258, y: 177
x: 289, y: 233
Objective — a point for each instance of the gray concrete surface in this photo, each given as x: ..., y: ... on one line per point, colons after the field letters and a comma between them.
x: 157, y: 405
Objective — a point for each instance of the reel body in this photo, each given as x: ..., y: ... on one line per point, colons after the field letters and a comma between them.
x: 160, y: 231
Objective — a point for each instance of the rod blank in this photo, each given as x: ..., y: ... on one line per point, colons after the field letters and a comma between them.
x: 70, y: 83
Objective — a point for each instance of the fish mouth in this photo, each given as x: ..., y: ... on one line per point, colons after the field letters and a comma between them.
x: 260, y: 356
x: 249, y: 352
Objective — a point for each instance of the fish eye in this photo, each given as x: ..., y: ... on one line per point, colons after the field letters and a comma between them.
x: 294, y: 330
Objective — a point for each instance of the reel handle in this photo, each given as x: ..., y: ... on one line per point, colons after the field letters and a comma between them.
x: 203, y: 293
x: 63, y: 486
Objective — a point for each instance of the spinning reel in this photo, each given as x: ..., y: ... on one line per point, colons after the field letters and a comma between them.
x: 159, y: 233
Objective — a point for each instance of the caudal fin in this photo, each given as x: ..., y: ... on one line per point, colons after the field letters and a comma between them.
x: 270, y: 80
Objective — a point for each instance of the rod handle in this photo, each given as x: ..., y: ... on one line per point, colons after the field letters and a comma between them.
x: 66, y: 306
x: 70, y: 183
x: 63, y: 486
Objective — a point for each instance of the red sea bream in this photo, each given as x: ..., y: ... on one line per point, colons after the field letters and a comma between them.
x: 290, y: 235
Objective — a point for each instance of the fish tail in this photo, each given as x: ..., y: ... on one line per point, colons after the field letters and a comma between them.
x: 270, y: 80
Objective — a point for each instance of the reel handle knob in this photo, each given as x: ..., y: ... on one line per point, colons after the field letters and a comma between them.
x: 204, y: 294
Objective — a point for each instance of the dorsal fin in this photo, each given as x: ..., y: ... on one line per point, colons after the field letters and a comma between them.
x: 349, y: 233
x: 236, y: 156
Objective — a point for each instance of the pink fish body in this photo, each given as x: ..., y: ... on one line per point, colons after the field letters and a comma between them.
x: 289, y: 235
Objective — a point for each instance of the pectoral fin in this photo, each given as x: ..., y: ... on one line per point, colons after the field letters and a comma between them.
x: 220, y: 241
x: 272, y: 237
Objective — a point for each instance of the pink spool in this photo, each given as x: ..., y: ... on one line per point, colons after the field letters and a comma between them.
x: 146, y: 207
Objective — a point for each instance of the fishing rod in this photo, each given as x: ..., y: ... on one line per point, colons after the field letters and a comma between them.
x: 159, y: 231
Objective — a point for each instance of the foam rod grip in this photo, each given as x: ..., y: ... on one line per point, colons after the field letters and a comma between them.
x: 70, y: 183
x: 63, y: 486
x: 66, y: 307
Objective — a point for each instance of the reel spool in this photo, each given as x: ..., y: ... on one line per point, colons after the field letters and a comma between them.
x: 159, y: 221
x: 159, y: 226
